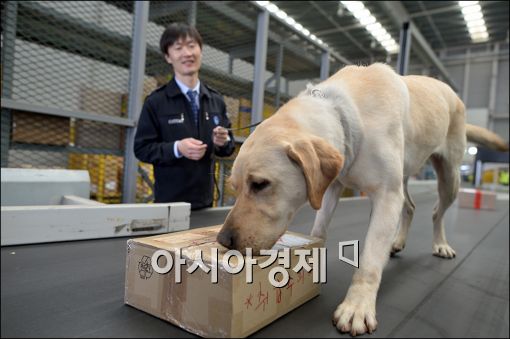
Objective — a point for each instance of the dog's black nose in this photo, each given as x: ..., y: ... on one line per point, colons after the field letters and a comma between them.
x: 226, y: 238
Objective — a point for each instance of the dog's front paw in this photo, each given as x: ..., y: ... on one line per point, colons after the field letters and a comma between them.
x: 443, y: 251
x: 355, y: 316
x: 397, y: 247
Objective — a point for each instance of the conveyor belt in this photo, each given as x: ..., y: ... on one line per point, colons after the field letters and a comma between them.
x: 76, y: 289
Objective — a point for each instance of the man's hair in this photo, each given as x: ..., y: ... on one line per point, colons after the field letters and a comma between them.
x: 177, y: 31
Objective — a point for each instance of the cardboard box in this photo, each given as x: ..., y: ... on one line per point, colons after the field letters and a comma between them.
x: 105, y: 174
x: 100, y: 101
x: 244, y: 117
x: 477, y: 199
x: 34, y: 128
x: 150, y: 84
x: 93, y: 134
x: 232, y: 107
x: 269, y: 110
x: 229, y: 308
x: 144, y: 191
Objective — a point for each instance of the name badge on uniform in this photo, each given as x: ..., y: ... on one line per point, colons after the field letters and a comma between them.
x: 176, y: 121
x: 216, y: 120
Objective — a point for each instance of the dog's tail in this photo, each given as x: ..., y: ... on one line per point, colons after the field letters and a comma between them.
x: 486, y: 138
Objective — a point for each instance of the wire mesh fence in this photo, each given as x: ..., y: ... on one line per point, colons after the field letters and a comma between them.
x: 66, y: 64
x: 67, y: 57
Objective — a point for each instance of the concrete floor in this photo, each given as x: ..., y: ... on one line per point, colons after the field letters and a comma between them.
x: 76, y: 289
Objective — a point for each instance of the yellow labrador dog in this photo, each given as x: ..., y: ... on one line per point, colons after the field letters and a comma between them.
x: 366, y: 128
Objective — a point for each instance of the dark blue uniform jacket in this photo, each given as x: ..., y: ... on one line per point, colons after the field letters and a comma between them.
x: 166, y: 117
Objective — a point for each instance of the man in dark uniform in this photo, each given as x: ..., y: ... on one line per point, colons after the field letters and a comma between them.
x: 182, y: 124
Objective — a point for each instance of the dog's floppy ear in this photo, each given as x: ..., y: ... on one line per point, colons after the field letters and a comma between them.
x: 321, y: 163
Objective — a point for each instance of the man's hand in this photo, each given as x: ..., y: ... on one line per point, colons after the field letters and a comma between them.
x: 191, y: 148
x: 220, y: 136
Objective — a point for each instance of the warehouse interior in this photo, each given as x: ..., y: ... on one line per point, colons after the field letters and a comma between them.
x: 75, y: 75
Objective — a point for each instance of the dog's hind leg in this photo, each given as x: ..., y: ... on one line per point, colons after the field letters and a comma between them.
x: 324, y: 215
x: 405, y: 221
x: 448, y: 181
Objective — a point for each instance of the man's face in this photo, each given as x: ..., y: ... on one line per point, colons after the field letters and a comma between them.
x: 185, y: 55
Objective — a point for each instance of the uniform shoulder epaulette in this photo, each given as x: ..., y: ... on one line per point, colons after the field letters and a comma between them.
x: 212, y: 89
x: 157, y: 90
x: 160, y: 88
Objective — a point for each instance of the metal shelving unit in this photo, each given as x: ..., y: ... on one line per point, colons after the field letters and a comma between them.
x: 230, y: 29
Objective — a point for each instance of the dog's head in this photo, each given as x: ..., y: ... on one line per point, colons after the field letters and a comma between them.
x: 276, y: 171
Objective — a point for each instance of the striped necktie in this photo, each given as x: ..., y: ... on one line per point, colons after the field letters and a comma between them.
x: 194, y: 108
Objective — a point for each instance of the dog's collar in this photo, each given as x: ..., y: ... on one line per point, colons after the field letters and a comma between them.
x: 350, y: 143
x: 317, y: 93
x: 350, y: 126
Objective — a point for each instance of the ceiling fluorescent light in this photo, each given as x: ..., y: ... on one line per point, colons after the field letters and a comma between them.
x: 392, y: 49
x: 353, y: 5
x: 281, y: 14
x: 473, y: 16
x: 477, y: 29
x: 365, y: 13
x: 384, y: 37
x: 368, y: 20
x: 290, y: 20
x: 272, y: 8
x: 388, y: 42
x: 471, y: 9
x: 480, y: 35
x: 374, y: 27
x: 379, y: 32
x: 467, y: 3
x: 365, y: 18
x: 474, y: 23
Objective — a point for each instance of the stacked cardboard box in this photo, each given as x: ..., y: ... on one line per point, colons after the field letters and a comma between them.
x: 143, y: 189
x: 268, y: 111
x: 232, y: 105
x: 149, y: 85
x: 229, y: 196
x: 245, y: 114
x: 105, y: 174
x: 92, y: 134
x: 42, y: 129
x: 244, y: 117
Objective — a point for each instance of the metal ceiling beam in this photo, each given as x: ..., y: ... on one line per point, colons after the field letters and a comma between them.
x: 159, y: 9
x: 452, y: 8
x: 435, y: 11
x: 433, y: 25
x: 338, y: 30
x: 420, y: 46
x: 251, y: 24
x: 248, y: 50
x: 334, y: 23
x: 423, y: 46
x: 302, y: 75
x: 316, y: 44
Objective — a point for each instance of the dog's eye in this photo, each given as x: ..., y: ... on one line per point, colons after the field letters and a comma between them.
x: 259, y: 186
